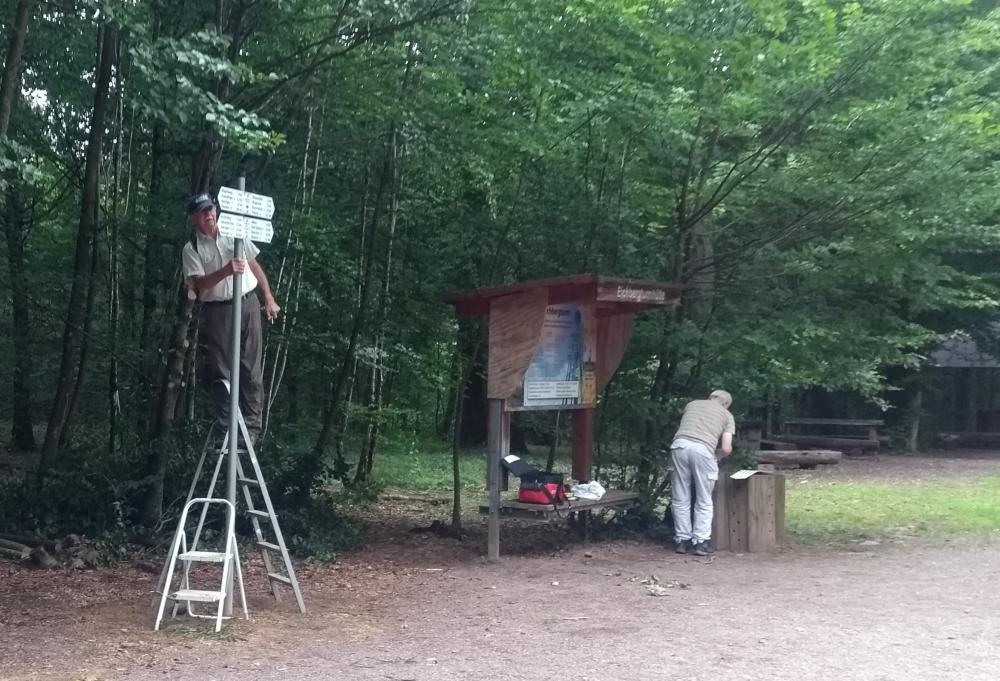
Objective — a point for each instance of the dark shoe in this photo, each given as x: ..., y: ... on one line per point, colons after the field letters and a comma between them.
x: 683, y: 546
x: 703, y: 548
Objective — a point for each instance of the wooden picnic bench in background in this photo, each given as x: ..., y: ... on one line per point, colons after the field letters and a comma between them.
x: 850, y: 435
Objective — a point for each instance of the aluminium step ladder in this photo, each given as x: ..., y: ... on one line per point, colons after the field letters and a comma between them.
x: 179, y: 552
x: 266, y: 530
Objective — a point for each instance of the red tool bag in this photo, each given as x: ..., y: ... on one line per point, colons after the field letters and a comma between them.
x: 542, y: 488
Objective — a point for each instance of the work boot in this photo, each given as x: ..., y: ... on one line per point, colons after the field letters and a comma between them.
x: 703, y: 548
x: 682, y: 546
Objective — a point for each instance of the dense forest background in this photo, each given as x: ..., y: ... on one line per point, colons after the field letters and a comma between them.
x: 821, y: 174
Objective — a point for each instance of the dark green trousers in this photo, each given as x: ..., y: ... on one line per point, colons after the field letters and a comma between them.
x: 215, y: 342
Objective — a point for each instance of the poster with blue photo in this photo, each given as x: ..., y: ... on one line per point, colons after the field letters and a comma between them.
x: 554, y: 375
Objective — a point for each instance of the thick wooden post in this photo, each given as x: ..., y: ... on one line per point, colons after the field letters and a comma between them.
x: 749, y: 514
x: 497, y: 447
x: 583, y: 444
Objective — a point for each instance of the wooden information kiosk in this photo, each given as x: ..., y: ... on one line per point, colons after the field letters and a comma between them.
x: 553, y: 344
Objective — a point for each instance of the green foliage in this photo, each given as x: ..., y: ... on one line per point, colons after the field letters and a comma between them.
x: 320, y: 529
x: 174, y: 75
x: 741, y: 459
x: 821, y: 177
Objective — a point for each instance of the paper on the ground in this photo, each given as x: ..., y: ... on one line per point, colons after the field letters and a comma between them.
x: 510, y: 458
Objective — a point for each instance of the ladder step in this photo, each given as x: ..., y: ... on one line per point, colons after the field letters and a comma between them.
x: 249, y: 482
x: 275, y: 577
x: 259, y: 514
x: 197, y: 595
x: 269, y: 546
x: 204, y: 556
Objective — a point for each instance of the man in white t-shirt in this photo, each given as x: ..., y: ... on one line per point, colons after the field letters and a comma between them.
x: 209, y: 267
x: 704, y: 435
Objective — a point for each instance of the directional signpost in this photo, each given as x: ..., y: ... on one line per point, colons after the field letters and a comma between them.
x: 245, y: 215
x: 243, y: 227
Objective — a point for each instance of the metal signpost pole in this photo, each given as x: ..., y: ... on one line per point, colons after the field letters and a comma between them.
x: 234, y: 397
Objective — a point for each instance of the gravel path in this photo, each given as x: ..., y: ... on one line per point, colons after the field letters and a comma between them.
x: 911, y: 612
x: 422, y: 608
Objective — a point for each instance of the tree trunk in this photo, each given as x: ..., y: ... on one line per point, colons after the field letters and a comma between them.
x: 972, y: 399
x: 22, y: 434
x: 151, y: 258
x: 456, y: 448
x: 311, y: 466
x: 73, y: 332
x: 473, y: 430
x: 397, y: 151
x: 913, y: 426
x: 172, y: 378
x: 11, y: 79
x: 166, y: 406
x: 551, y: 461
x: 114, y: 273
x: 22, y: 429
x: 74, y: 404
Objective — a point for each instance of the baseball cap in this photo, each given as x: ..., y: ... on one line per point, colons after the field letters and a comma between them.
x: 199, y: 202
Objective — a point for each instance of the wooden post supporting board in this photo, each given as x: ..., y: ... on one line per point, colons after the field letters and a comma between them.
x: 498, y: 446
x: 583, y: 444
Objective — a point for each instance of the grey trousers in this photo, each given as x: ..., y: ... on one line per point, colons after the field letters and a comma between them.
x: 215, y: 341
x: 695, y: 471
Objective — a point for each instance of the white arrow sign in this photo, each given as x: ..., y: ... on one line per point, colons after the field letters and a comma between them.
x: 242, y: 227
x: 255, y: 205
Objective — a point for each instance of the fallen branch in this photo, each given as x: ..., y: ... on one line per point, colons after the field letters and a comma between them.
x: 40, y: 557
x: 15, y: 546
x: 146, y: 566
x: 800, y: 457
x: 53, y: 546
x: 14, y: 553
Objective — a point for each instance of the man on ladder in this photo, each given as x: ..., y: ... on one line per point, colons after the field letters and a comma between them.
x: 209, y: 266
x: 230, y: 310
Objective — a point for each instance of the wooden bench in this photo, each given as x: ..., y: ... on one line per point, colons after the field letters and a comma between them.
x: 843, y: 434
x: 968, y: 439
x: 518, y: 509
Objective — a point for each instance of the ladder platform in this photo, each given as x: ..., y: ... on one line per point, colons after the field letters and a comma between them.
x: 269, y: 546
x: 204, y: 556
x: 259, y: 514
x: 248, y: 481
x: 222, y: 451
x: 275, y: 577
x: 197, y: 595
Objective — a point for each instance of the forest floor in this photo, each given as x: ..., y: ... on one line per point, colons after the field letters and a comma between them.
x: 913, y: 601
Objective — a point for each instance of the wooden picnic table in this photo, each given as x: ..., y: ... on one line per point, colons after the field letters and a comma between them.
x: 862, y: 433
x: 835, y: 422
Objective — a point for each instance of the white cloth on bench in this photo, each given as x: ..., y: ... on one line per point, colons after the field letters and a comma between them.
x: 589, y: 490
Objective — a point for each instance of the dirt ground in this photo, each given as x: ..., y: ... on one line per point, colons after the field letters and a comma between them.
x: 419, y: 607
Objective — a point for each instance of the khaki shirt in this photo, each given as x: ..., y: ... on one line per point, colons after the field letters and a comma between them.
x: 214, y: 254
x: 705, y: 421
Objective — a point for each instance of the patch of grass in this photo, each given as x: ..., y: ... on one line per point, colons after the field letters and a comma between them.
x: 426, y: 467
x: 843, y: 511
